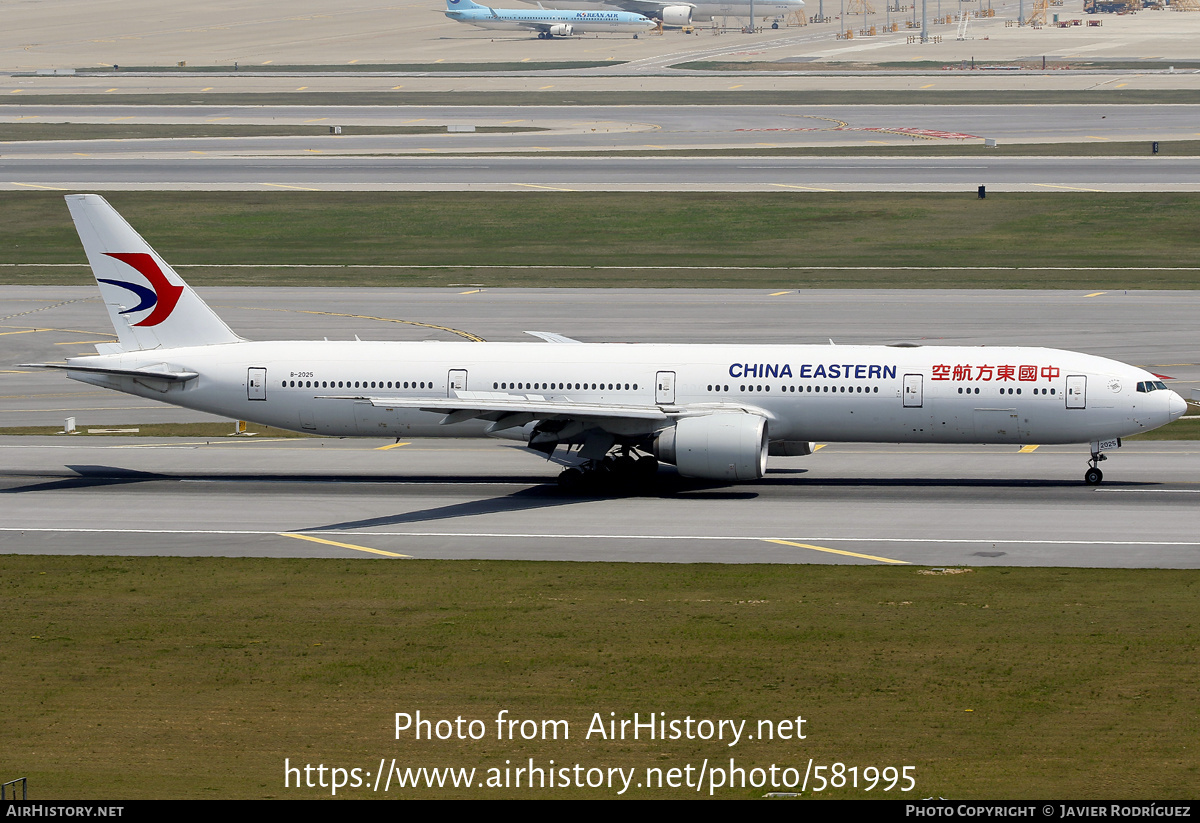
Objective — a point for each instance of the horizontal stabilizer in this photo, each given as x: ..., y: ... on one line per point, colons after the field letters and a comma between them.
x: 159, y: 372
x: 553, y: 337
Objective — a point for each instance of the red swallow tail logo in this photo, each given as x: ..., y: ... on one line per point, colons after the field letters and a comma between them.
x: 164, y: 296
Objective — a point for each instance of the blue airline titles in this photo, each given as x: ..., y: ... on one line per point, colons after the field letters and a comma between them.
x: 714, y: 411
x: 858, y: 371
x: 547, y: 23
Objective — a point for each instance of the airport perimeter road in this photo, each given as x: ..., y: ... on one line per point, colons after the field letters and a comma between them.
x: 611, y: 173
x: 865, y: 504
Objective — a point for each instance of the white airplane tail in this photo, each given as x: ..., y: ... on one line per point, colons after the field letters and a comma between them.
x: 149, y: 304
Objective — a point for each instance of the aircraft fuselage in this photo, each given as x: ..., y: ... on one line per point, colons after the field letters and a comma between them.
x: 927, y: 394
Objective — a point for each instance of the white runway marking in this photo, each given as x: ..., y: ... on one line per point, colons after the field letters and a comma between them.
x: 1150, y: 491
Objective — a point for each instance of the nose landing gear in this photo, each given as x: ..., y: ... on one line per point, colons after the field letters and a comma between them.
x: 1093, y: 475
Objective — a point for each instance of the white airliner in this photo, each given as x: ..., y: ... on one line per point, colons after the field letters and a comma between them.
x: 684, y: 13
x: 547, y: 23
x: 616, y: 409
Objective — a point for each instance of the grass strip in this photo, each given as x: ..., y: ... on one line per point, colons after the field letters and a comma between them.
x: 351, y: 68
x: 808, y: 237
x: 1179, y: 430
x: 10, y: 132
x: 195, y: 677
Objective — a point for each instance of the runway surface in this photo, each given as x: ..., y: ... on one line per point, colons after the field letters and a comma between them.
x: 466, y: 499
x: 593, y: 127
x: 848, y: 503
x: 519, y: 160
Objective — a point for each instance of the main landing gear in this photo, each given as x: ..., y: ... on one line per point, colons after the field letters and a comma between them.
x: 619, y: 471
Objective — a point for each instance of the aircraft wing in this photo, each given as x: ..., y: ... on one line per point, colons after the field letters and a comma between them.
x: 507, y: 409
x: 497, y: 405
x: 649, y: 8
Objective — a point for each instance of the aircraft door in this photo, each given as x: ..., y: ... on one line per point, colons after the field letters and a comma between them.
x: 256, y: 384
x: 456, y: 382
x: 1076, y: 391
x: 664, y: 387
x: 913, y: 391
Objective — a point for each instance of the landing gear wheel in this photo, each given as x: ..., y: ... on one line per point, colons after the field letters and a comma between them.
x: 647, y: 467
x: 618, y: 473
x: 623, y: 467
x: 1093, y: 476
x: 774, y: 25
x: 570, y: 479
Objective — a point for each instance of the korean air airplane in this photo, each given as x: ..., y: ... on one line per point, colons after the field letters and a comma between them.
x: 613, y: 411
x: 547, y: 23
x: 682, y: 13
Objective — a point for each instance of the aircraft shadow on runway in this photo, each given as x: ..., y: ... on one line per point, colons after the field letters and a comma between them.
x: 546, y: 497
x: 85, y: 477
x: 538, y: 495
x: 670, y: 487
x: 667, y: 485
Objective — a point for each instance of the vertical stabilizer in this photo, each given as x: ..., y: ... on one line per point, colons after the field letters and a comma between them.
x: 149, y: 304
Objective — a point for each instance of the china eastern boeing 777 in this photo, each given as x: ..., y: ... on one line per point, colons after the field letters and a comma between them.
x: 615, y: 409
x: 546, y: 22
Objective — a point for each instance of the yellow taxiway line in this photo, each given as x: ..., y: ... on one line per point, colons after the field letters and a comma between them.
x: 341, y: 545
x: 838, y: 551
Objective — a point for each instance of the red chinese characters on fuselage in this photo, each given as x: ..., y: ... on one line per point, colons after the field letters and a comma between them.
x: 965, y: 372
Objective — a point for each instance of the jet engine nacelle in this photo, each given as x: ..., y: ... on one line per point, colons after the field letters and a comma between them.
x: 561, y: 30
x: 677, y: 16
x: 723, y: 446
x: 791, y: 448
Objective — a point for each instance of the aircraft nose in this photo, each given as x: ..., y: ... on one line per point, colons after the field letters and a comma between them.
x: 1178, y: 406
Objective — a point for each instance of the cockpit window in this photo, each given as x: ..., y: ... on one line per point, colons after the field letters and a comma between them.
x: 1158, y: 384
